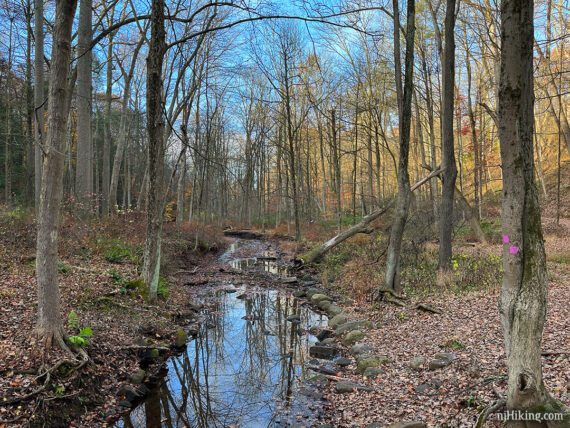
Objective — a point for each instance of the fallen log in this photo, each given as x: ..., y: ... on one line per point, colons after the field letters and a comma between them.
x: 244, y: 234
x: 315, y: 254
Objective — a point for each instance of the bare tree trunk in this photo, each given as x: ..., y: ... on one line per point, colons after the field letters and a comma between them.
x: 106, y: 164
x: 449, y: 175
x: 29, y: 107
x: 84, y: 164
x: 123, y: 131
x: 8, y: 131
x: 156, y: 149
x: 405, y: 116
x: 524, y: 289
x: 49, y: 326
x: 38, y: 97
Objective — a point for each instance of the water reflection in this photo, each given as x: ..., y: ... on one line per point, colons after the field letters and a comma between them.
x: 240, y: 370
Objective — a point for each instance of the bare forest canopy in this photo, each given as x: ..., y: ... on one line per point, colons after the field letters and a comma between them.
x: 232, y: 83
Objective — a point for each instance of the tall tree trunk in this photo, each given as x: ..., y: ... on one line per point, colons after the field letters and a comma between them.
x: 156, y: 149
x: 106, y: 167
x: 524, y: 289
x: 8, y: 131
x: 38, y: 97
x: 29, y: 107
x: 405, y: 118
x: 49, y: 326
x: 474, y: 139
x: 447, y: 145
x: 123, y: 131
x: 84, y: 164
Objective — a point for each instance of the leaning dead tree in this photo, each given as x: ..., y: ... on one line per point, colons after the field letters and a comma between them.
x: 365, y: 226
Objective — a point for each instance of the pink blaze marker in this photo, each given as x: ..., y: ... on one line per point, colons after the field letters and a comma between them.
x: 506, y: 239
x: 513, y: 249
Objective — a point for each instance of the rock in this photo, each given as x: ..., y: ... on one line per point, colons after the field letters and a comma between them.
x: 328, y: 341
x: 181, y: 338
x: 417, y: 362
x: 373, y: 372
x: 318, y: 297
x: 133, y: 393
x: 327, y: 369
x: 324, y: 305
x: 343, y: 362
x: 437, y: 364
x: 373, y: 425
x: 361, y: 349
x: 299, y: 293
x: 324, y: 352
x: 346, y: 386
x: 415, y: 424
x: 337, y: 320
x: 309, y: 283
x: 352, y: 337
x: 294, y: 318
x: 318, y: 379
x: 324, y: 334
x: 311, y: 292
x: 138, y: 376
x: 289, y: 280
x: 421, y: 388
x: 194, y: 329
x: 441, y: 360
x: 445, y: 356
x: 353, y: 325
x: 334, y: 310
x: 366, y: 362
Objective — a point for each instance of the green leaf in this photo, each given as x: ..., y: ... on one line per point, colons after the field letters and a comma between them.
x: 86, y: 332
x: 77, y: 341
x: 73, y: 320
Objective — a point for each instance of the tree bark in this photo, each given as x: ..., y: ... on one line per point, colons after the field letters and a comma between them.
x: 49, y: 325
x: 84, y: 163
x: 405, y: 116
x: 38, y: 97
x: 156, y: 149
x: 106, y: 164
x: 449, y: 175
x: 524, y: 289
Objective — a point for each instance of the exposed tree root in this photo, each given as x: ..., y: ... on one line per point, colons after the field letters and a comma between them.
x: 47, y: 374
x: 484, y: 415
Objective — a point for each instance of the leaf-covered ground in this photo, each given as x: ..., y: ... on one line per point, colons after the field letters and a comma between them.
x: 470, y: 328
x: 96, y: 290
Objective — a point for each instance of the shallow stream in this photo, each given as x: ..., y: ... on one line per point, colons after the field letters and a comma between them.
x: 244, y: 366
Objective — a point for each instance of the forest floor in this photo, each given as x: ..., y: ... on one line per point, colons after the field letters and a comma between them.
x: 99, y: 268
x: 468, y: 327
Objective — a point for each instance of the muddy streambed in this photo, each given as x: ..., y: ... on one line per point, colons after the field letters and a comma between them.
x: 247, y: 363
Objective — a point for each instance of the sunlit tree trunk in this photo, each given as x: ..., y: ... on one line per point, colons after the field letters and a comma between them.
x: 449, y: 167
x: 405, y: 118
x: 49, y: 325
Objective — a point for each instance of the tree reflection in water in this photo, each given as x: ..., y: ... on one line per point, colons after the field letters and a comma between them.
x: 236, y: 372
